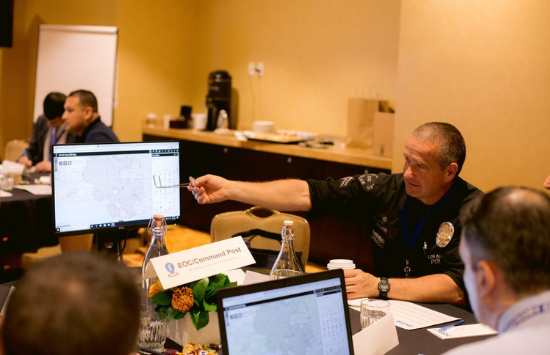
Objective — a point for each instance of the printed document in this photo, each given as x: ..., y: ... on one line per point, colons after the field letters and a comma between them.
x: 411, y: 316
x: 463, y: 331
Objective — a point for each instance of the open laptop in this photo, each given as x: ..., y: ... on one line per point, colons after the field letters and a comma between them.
x: 299, y: 315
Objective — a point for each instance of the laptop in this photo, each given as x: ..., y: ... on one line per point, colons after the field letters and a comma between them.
x: 299, y: 315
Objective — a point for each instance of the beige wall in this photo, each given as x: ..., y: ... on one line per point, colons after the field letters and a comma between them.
x: 156, y: 61
x: 18, y: 63
x: 316, y: 53
x: 480, y: 65
x: 483, y: 66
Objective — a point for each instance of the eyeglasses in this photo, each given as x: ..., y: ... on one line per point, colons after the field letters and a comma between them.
x: 160, y: 186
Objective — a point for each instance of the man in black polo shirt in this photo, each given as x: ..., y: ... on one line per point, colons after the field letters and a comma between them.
x: 413, y: 217
x: 81, y: 117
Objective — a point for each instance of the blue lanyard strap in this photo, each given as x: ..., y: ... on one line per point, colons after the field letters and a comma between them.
x: 527, y: 314
x: 54, y: 137
x: 410, y: 244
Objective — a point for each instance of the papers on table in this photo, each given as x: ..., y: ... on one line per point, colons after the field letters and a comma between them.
x: 5, y: 193
x: 411, y: 316
x: 463, y: 331
x: 36, y: 189
x: 11, y: 167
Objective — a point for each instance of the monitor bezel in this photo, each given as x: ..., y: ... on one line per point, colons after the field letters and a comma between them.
x: 277, y: 285
x: 105, y: 230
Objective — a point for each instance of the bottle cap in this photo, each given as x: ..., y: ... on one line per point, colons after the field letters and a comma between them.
x: 158, y: 216
x: 288, y: 223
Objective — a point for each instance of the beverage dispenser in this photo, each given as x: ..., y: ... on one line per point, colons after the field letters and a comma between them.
x: 218, y: 98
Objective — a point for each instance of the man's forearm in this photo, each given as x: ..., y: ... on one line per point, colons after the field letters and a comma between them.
x: 282, y: 195
x: 438, y: 288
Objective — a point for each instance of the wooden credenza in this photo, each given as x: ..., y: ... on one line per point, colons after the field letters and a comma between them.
x: 207, y: 153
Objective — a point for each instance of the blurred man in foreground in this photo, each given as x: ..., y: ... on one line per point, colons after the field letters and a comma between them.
x: 81, y: 117
x: 74, y: 303
x: 49, y: 129
x: 506, y: 252
x: 413, y: 217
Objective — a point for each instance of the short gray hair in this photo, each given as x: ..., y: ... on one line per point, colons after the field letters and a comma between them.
x: 450, y: 141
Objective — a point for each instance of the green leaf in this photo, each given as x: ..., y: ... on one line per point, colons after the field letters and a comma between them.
x: 162, y: 311
x: 162, y: 298
x: 200, y: 289
x: 180, y: 315
x: 201, y: 321
x: 173, y: 313
x: 194, y: 314
x: 210, y: 307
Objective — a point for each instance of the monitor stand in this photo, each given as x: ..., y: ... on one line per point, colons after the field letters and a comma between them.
x: 113, y: 243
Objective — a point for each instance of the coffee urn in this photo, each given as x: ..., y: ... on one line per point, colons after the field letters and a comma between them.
x: 218, y: 98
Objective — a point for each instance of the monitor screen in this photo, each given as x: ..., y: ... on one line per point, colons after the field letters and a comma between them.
x: 109, y: 186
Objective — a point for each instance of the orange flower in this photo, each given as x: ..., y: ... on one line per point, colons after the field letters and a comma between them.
x: 183, y: 299
x: 155, y: 288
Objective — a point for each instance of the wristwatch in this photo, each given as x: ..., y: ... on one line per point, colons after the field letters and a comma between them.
x: 384, y: 287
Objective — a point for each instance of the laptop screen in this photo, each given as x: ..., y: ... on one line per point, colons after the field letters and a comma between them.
x: 300, y: 315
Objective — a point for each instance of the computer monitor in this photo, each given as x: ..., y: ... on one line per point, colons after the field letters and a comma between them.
x: 104, y: 188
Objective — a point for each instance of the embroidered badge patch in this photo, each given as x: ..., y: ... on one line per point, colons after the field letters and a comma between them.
x: 445, y: 234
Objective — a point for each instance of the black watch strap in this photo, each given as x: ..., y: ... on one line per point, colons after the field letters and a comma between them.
x: 384, y: 287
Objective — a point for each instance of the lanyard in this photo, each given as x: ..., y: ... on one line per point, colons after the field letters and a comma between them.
x: 54, y: 138
x: 409, y: 244
x: 527, y: 314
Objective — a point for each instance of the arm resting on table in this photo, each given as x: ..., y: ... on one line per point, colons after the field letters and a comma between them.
x: 438, y: 288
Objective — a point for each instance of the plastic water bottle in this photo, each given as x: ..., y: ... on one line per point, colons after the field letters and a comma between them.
x: 157, y: 227
x: 287, y: 264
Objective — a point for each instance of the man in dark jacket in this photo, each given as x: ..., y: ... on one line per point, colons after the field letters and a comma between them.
x: 81, y: 117
x: 412, y: 218
x: 48, y: 130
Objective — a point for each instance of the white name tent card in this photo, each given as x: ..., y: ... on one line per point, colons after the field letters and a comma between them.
x: 196, y: 263
x: 376, y: 339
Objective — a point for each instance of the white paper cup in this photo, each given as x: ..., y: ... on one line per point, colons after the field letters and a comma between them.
x: 199, y: 121
x: 344, y: 264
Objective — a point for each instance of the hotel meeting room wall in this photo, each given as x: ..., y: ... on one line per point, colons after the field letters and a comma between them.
x: 316, y: 54
x: 484, y: 66
x: 479, y: 65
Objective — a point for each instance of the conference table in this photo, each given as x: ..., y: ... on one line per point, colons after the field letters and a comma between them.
x: 411, y: 342
x: 26, y: 221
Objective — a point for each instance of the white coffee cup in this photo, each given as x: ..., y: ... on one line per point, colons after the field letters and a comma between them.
x: 344, y: 264
x: 199, y: 121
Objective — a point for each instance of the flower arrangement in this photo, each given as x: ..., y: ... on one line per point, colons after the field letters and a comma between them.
x: 196, y: 298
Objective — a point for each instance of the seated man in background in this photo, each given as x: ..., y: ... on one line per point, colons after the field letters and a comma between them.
x: 413, y: 217
x: 506, y: 252
x: 74, y: 303
x: 81, y: 117
x: 49, y: 129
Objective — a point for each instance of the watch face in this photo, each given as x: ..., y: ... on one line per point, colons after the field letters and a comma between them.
x: 384, y: 285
